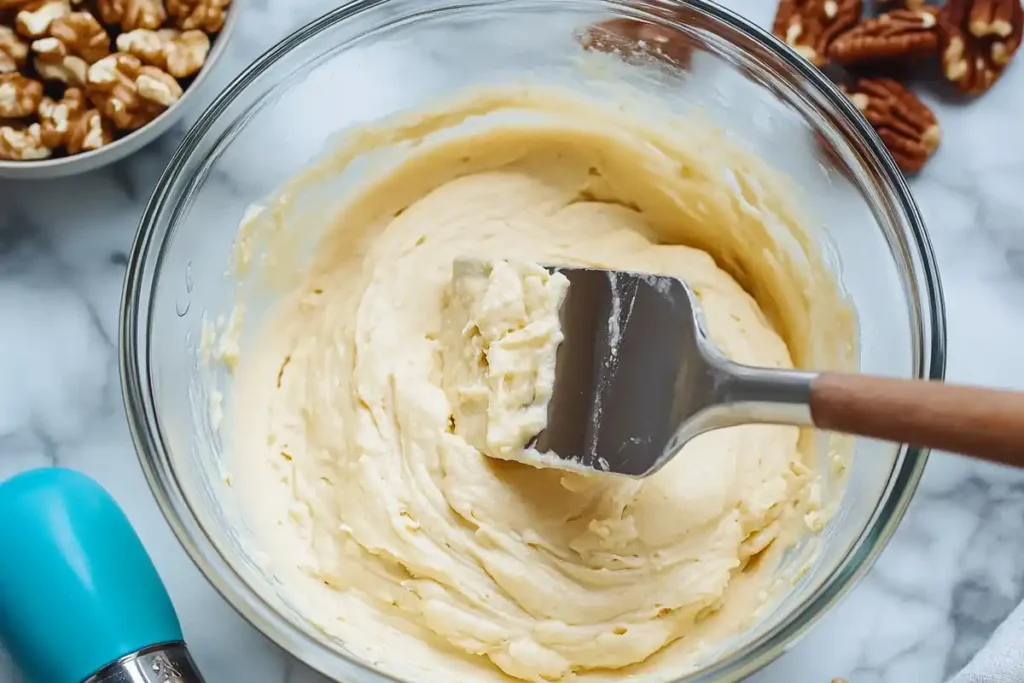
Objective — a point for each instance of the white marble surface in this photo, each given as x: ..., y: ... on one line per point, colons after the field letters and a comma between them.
x: 953, y: 571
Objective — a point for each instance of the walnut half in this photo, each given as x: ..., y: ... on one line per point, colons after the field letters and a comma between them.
x: 128, y: 93
x: 19, y: 96
x: 82, y: 35
x: 34, y: 20
x: 180, y: 54
x: 53, y: 63
x: 146, y: 44
x: 206, y: 15
x: 13, y: 51
x: 72, y: 123
x: 133, y: 14
x: 186, y: 54
x: 23, y: 143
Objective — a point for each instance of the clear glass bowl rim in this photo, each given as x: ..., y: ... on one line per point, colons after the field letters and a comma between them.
x: 147, y: 255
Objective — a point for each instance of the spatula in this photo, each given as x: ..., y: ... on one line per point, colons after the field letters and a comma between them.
x: 636, y: 378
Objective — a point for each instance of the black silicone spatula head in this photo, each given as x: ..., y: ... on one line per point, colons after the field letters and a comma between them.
x: 631, y: 368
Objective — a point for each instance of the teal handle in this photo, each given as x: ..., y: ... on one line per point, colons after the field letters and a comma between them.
x: 77, y: 589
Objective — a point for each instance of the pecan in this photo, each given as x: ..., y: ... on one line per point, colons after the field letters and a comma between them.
x: 82, y: 35
x: 631, y: 39
x: 13, y: 51
x: 902, y: 33
x: 888, y: 5
x: 905, y: 124
x: 978, y: 39
x: 810, y: 26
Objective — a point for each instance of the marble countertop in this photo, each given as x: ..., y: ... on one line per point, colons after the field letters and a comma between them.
x: 953, y: 571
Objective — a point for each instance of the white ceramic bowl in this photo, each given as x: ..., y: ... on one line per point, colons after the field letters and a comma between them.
x: 134, y: 141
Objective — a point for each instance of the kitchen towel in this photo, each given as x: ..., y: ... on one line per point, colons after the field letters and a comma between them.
x: 1002, y: 658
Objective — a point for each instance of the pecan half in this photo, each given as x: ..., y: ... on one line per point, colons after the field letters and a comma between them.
x: 810, y: 26
x: 888, y: 5
x: 978, y: 40
x: 902, y: 33
x: 638, y: 39
x: 905, y: 124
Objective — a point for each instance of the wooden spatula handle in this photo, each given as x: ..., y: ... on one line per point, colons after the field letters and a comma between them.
x: 983, y: 423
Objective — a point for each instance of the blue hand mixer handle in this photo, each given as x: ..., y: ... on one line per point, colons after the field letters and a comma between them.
x: 80, y: 600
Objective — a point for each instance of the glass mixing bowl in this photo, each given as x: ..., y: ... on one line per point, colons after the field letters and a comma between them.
x: 372, y: 58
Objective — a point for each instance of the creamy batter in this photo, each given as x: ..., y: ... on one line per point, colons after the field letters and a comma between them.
x: 370, y: 487
x: 500, y: 333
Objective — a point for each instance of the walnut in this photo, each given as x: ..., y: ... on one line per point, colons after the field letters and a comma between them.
x: 13, y: 51
x: 19, y: 96
x: 186, y: 54
x: 128, y: 93
x: 113, y: 90
x: 978, y: 39
x: 23, y: 143
x: 82, y: 35
x: 133, y: 14
x: 810, y: 26
x: 905, y: 124
x: 53, y: 63
x: 904, y: 34
x: 73, y: 124
x: 158, y: 87
x: 34, y: 20
x: 144, y: 43
x: 205, y: 15
x: 631, y: 38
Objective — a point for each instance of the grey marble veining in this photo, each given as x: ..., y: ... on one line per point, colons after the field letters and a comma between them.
x: 953, y: 571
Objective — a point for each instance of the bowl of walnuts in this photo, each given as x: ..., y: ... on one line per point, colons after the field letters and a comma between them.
x: 84, y: 83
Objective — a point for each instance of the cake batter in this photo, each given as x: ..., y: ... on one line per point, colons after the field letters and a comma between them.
x: 375, y: 499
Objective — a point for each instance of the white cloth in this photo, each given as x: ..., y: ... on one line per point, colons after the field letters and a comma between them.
x: 1002, y: 658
